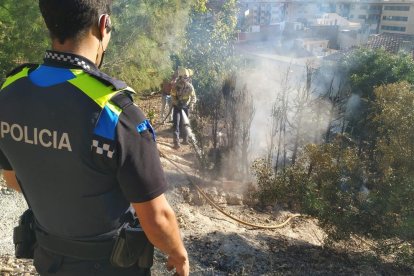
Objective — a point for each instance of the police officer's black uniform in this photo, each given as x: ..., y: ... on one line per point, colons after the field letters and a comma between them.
x: 81, y: 151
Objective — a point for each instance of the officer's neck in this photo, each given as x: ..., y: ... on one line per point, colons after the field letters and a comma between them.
x: 87, y: 47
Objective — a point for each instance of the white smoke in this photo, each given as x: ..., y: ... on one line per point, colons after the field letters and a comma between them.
x: 266, y: 80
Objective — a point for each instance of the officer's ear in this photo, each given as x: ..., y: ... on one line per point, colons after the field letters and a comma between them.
x: 104, y: 25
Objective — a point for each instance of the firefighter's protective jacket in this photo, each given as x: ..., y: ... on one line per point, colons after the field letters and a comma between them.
x: 183, y: 94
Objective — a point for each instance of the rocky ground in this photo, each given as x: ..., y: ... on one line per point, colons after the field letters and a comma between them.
x: 218, y: 245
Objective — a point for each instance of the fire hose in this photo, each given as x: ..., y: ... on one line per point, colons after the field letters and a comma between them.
x: 218, y: 208
x: 165, y: 118
x: 209, y: 200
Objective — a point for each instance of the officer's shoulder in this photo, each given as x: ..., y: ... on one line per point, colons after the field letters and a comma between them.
x: 124, y: 101
x: 123, y: 98
x: 19, y: 68
x: 101, y: 76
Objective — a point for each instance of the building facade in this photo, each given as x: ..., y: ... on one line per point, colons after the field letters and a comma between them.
x: 262, y: 13
x: 397, y: 18
x: 377, y: 16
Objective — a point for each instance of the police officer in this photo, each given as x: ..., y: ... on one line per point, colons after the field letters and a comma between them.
x: 81, y: 152
x: 183, y: 98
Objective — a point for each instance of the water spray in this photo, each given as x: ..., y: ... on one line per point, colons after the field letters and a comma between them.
x: 191, y: 138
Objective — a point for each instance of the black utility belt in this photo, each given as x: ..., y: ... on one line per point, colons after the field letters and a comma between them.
x: 91, y: 251
x: 130, y: 247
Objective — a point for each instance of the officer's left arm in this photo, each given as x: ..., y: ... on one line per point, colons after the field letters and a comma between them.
x: 139, y: 172
x: 11, y: 180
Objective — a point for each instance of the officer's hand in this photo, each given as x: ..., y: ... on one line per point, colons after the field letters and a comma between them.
x: 181, y: 265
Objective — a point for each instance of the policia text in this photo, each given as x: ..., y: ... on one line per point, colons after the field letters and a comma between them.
x: 43, y: 137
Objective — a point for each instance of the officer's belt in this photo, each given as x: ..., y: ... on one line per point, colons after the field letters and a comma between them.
x: 84, y: 250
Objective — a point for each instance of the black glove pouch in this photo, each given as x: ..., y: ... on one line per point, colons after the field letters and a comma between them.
x: 24, y: 237
x: 132, y: 247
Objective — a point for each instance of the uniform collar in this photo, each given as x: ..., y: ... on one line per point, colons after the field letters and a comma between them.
x: 69, y: 60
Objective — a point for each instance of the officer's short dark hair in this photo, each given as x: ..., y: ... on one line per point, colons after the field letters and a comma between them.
x: 70, y: 19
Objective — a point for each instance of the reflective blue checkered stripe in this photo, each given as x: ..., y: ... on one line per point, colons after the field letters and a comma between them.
x: 107, y: 122
x: 146, y: 125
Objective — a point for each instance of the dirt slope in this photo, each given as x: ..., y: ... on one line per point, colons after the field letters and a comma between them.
x: 219, y: 246
x: 216, y: 244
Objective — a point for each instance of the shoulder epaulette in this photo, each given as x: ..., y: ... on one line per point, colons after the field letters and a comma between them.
x: 21, y: 67
x: 117, y: 84
x: 123, y: 99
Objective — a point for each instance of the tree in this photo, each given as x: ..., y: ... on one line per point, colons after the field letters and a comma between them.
x: 348, y: 190
x: 147, y: 34
x: 22, y: 38
x: 394, y: 114
x: 208, y: 48
x: 365, y: 69
x: 209, y: 52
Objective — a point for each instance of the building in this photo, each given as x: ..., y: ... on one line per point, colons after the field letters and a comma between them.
x: 261, y: 13
x: 366, y: 13
x: 397, y: 17
x: 349, y: 33
x: 369, y: 16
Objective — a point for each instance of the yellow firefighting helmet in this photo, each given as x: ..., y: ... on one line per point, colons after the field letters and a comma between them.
x: 182, y: 72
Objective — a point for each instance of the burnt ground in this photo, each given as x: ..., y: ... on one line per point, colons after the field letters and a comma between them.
x: 218, y: 245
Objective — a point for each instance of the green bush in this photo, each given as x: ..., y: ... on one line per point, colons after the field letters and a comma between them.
x: 367, y: 191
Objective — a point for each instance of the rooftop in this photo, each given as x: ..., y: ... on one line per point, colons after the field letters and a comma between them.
x: 392, y: 42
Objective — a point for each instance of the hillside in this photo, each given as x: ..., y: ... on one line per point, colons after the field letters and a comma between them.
x: 218, y: 245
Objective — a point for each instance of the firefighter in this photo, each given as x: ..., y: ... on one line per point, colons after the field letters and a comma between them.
x: 84, y: 156
x: 183, y: 99
x: 166, y: 87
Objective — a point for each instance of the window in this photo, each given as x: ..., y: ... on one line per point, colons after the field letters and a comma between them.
x: 375, y: 8
x: 363, y: 16
x: 395, y: 18
x: 397, y: 8
x: 393, y: 28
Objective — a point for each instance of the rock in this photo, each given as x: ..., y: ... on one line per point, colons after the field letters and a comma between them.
x: 218, y: 197
x: 180, y: 220
x: 234, y: 199
x: 6, y: 269
x: 192, y: 197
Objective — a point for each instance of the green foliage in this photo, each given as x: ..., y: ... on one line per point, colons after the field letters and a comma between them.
x: 394, y: 112
x: 353, y: 190
x: 368, y: 68
x: 208, y: 48
x: 146, y: 34
x: 364, y: 70
x: 209, y: 52
x: 23, y: 35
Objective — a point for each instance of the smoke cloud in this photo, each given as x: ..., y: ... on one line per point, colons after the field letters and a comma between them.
x: 270, y: 79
